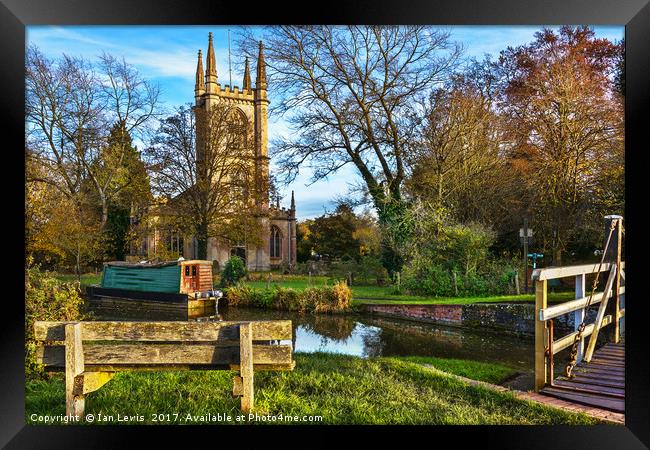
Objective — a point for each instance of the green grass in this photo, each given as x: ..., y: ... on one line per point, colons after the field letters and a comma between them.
x: 476, y: 370
x: 86, y: 279
x: 341, y: 389
x: 383, y: 294
x: 294, y: 283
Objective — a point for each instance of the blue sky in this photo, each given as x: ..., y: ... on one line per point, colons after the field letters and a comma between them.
x: 167, y: 55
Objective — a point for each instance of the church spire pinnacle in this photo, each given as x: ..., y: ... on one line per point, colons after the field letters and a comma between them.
x: 260, y: 81
x: 247, y: 77
x: 211, y: 67
x: 199, y: 87
x: 293, y: 202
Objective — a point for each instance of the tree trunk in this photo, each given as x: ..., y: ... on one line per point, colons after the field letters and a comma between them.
x: 393, y: 233
x: 557, y: 247
x: 104, y: 211
x: 78, y: 267
x: 557, y: 256
x: 202, y: 241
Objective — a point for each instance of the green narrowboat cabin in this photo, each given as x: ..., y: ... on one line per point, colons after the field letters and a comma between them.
x: 169, y: 282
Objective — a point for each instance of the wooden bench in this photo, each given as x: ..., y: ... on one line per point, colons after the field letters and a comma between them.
x: 91, y: 352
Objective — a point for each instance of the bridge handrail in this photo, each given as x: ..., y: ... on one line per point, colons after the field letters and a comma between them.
x: 546, y: 343
x: 573, y: 305
x: 551, y: 273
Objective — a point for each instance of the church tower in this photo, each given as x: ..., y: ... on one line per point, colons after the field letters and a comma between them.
x: 248, y: 106
x: 261, y: 129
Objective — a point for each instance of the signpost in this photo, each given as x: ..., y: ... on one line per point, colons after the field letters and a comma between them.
x: 525, y: 237
x: 535, y: 256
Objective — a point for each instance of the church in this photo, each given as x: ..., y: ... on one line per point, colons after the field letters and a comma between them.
x: 249, y: 107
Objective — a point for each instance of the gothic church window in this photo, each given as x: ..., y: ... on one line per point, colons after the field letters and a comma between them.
x: 237, y: 129
x: 276, y: 240
x: 239, y: 182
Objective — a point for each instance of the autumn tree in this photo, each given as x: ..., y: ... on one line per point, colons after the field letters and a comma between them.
x: 59, y: 231
x: 333, y: 234
x: 457, y: 160
x: 304, y: 244
x: 202, y: 166
x: 565, y: 113
x: 341, y: 233
x: 348, y: 92
x: 39, y: 201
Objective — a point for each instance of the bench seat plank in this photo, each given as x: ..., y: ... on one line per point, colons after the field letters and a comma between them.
x: 164, y: 331
x: 177, y: 367
x: 153, y: 354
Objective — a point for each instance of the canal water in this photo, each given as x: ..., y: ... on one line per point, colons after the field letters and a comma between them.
x: 357, y: 334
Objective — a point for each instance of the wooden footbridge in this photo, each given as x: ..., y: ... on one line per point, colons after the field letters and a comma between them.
x: 593, y: 377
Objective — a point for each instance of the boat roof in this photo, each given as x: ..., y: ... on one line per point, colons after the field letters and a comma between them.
x: 194, y: 261
x: 141, y: 265
x: 146, y: 265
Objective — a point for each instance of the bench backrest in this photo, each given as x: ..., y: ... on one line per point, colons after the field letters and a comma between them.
x: 113, y: 346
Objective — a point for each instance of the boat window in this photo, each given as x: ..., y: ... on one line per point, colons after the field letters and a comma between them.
x: 193, y: 271
x: 187, y: 271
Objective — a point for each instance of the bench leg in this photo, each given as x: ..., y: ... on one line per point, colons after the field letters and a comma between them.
x: 246, y: 366
x: 74, y: 366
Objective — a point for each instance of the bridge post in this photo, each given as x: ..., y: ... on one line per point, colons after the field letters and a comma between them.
x: 614, y: 255
x: 540, y: 336
x: 579, y: 314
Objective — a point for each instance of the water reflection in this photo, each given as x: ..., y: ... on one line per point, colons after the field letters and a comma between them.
x: 358, y: 334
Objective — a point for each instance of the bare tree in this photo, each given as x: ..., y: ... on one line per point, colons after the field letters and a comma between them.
x: 63, y: 118
x: 71, y: 107
x: 348, y: 92
x: 203, y: 165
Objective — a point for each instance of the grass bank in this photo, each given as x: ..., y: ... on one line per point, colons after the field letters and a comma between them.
x: 383, y: 294
x: 475, y: 370
x: 341, y: 389
x: 361, y: 294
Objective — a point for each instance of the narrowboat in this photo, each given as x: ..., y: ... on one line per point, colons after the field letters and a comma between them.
x: 182, y: 283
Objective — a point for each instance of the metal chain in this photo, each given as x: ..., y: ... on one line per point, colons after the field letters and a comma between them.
x: 573, y: 357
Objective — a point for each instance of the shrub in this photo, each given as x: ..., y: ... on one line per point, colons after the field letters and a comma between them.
x: 287, y: 299
x: 262, y: 298
x: 47, y: 298
x: 341, y: 296
x: 233, y: 271
x: 316, y: 299
x: 433, y: 279
x: 491, y: 278
x: 467, y: 245
x: 447, y: 259
x: 239, y: 295
x: 371, y: 271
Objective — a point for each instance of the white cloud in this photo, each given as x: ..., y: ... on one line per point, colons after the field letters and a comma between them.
x: 168, y: 60
x: 55, y: 35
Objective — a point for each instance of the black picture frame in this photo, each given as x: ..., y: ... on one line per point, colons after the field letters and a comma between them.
x: 16, y: 14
